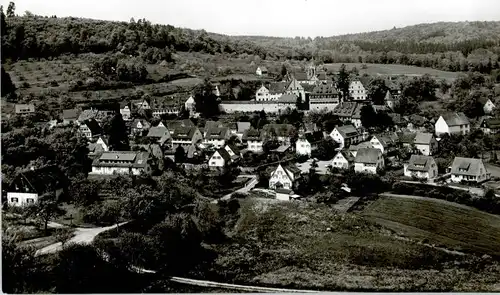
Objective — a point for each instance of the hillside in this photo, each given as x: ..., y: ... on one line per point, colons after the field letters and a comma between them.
x: 444, y: 46
x: 442, y: 32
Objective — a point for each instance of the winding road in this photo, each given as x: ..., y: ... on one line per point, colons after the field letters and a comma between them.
x: 81, y: 236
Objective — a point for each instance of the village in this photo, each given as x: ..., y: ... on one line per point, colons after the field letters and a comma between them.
x: 161, y: 133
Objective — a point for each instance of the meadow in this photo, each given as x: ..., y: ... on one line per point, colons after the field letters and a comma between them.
x: 394, y: 70
x: 305, y: 245
x: 439, y: 222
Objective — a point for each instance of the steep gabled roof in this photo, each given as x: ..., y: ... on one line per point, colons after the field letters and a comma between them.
x: 216, y: 133
x: 455, y: 119
x: 367, y: 155
x: 283, y: 130
x: 158, y: 132
x: 41, y: 180
x: 345, y: 109
x: 325, y: 89
x: 288, y: 98
x: 252, y: 134
x: 300, y: 76
x: 224, y: 154
x: 295, y: 85
x: 423, y: 138
x: 347, y: 131
x: 277, y: 87
x: 492, y: 123
x: 365, y: 81
x: 466, y: 166
x: 184, y: 133
x: 420, y: 163
x: 406, y: 137
x: 94, y: 127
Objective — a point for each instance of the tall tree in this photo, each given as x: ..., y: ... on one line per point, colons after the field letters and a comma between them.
x: 11, y: 9
x: 206, y: 102
x: 179, y: 155
x: 47, y: 208
x: 368, y: 117
x: 343, y: 81
x: 377, y: 91
x: 118, y: 136
x: 7, y: 85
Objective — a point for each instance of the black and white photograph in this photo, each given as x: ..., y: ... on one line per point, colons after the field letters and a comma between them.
x: 231, y: 146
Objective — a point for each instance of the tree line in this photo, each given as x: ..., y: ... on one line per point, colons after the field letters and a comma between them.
x: 32, y: 36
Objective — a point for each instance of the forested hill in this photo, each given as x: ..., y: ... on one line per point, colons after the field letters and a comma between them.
x: 463, y: 46
x: 442, y: 32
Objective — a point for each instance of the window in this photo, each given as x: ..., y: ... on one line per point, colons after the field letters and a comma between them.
x: 14, y: 200
x: 213, y: 162
x: 30, y: 200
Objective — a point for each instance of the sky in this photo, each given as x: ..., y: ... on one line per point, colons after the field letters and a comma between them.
x: 283, y: 18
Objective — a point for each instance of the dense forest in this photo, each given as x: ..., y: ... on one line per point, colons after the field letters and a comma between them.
x: 460, y: 46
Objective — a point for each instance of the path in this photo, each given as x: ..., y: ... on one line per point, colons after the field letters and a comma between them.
x: 248, y: 186
x: 81, y: 236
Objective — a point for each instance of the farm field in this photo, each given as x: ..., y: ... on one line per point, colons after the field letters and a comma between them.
x: 309, y: 246
x: 439, y: 222
x: 383, y: 69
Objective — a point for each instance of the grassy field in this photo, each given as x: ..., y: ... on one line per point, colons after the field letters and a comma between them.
x: 301, y: 245
x: 442, y: 223
x: 383, y: 69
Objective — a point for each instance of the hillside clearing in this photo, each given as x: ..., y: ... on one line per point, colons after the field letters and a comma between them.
x: 304, y: 245
x: 443, y: 223
x: 386, y: 69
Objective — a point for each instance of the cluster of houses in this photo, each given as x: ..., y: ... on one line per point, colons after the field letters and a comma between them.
x: 219, y: 144
x: 365, y: 153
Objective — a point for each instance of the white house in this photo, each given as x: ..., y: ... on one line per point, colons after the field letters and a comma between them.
x: 426, y: 143
x: 488, y: 105
x: 490, y: 125
x: 357, y: 89
x: 190, y: 104
x: 253, y: 139
x: 349, y: 112
x: 345, y: 135
x: 468, y: 169
x: 307, y: 143
x: 295, y: 88
x: 28, y: 186
x: 219, y: 159
x: 384, y: 142
x: 389, y: 100
x: 324, y: 97
x: 217, y: 136
x: 121, y: 162
x: 343, y: 160
x: 284, y: 177
x: 423, y: 167
x: 125, y: 111
x: 452, y: 123
x: 90, y: 128
x: 186, y: 136
x: 261, y: 71
x: 369, y: 160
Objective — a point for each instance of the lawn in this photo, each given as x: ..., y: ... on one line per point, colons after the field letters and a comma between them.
x: 439, y: 222
x: 309, y: 246
x: 383, y: 69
